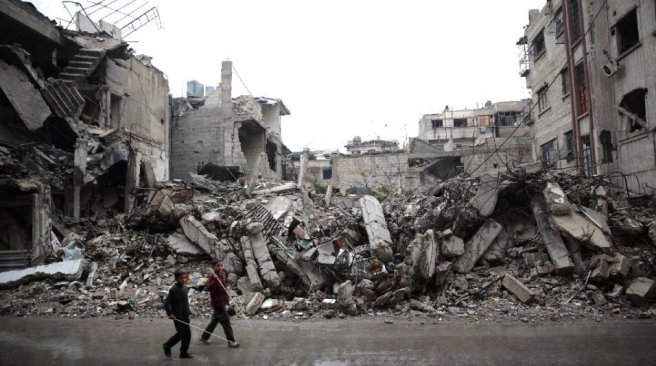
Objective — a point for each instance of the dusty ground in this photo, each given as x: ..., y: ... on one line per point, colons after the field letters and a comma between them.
x: 42, y: 341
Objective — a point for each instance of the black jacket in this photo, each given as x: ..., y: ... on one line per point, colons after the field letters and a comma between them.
x: 177, y: 302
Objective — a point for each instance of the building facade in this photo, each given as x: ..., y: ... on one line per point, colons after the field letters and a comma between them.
x: 456, y: 129
x: 359, y: 147
x: 590, y: 68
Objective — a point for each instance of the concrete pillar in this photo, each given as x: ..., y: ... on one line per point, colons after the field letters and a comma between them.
x: 226, y: 88
x: 79, y: 170
x: 303, y: 165
x: 132, y: 179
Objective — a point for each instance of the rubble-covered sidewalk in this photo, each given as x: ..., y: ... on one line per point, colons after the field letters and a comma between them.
x: 520, y: 245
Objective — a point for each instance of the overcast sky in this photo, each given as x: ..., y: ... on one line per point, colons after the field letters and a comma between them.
x: 343, y: 68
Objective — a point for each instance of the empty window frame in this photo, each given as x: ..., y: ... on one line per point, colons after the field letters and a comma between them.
x: 606, y: 146
x: 437, y: 123
x: 327, y: 173
x: 575, y: 28
x: 569, y: 145
x: 537, y: 45
x: 565, y: 82
x: 460, y: 122
x: 634, y: 105
x: 581, y: 85
x: 548, y: 153
x: 559, y: 22
x: 626, y: 32
x: 543, y: 99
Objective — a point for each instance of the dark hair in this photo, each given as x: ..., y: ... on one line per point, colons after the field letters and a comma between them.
x: 179, y: 272
x: 214, y: 262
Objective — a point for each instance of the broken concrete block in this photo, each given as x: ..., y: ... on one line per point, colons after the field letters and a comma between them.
x: 452, y: 246
x: 345, y: 298
x: 426, y: 253
x: 477, y: 245
x: 379, y: 236
x: 551, y: 238
x: 166, y: 208
x: 442, y: 271
x: 584, y: 230
x: 251, y: 265
x: 631, y: 226
x: 261, y: 253
x: 487, y: 195
x: 179, y: 244
x: 517, y: 287
x: 271, y: 305
x: 639, y: 290
x: 279, y: 206
x: 198, y: 234
x: 92, y: 275
x: 496, y: 253
x: 254, y: 304
x: 601, y: 269
x: 620, y: 265
x: 25, y: 99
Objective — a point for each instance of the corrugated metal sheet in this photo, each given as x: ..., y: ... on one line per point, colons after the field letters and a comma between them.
x: 63, y: 99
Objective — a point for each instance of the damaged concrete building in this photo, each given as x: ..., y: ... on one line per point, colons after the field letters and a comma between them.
x: 226, y: 138
x: 590, y: 68
x: 83, y: 126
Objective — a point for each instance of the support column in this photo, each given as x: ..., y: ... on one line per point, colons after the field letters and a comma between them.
x: 79, y: 170
x: 131, y: 179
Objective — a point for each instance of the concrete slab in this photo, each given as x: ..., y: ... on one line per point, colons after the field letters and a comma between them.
x: 583, y: 230
x: 488, y: 193
x: 23, y: 96
x: 551, y: 238
x: 70, y: 270
x: 376, y: 226
x: 452, y: 246
x: 179, y: 244
x: 477, y: 245
x: 198, y: 234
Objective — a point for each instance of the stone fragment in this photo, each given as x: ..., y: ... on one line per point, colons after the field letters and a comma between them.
x: 179, y: 244
x: 487, y: 195
x: 345, y: 301
x: 198, y: 234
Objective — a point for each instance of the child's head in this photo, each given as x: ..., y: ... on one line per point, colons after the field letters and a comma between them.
x: 181, y: 276
x: 217, y: 266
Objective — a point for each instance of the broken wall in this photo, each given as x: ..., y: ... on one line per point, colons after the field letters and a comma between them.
x: 372, y: 170
x: 139, y: 94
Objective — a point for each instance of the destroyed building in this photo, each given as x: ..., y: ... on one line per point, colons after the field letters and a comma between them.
x: 318, y: 168
x: 227, y: 138
x: 359, y: 147
x: 83, y: 126
x: 588, y: 65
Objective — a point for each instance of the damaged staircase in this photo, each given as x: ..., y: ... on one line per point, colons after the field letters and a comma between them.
x: 82, y: 65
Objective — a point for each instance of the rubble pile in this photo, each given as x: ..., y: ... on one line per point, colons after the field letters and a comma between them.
x: 519, y: 245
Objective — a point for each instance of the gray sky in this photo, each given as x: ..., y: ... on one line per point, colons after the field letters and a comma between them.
x: 344, y: 68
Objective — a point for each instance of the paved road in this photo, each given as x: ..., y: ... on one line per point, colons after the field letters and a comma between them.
x: 29, y: 341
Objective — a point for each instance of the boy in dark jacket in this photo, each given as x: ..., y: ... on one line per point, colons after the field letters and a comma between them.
x: 177, y: 309
x: 220, y: 299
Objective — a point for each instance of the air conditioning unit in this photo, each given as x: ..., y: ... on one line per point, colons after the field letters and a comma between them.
x: 611, y: 67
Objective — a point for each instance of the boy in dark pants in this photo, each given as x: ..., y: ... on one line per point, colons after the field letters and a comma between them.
x: 177, y: 309
x: 216, y: 285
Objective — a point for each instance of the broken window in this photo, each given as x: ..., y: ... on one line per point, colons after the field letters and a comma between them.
x: 543, y: 99
x: 538, y: 45
x: 575, y: 29
x: 271, y: 150
x: 606, y: 146
x: 634, y: 110
x: 559, y: 22
x: 115, y: 110
x: 548, y: 153
x: 626, y: 32
x: 437, y: 123
x: 569, y: 145
x: 460, y: 122
x: 327, y: 173
x: 587, y: 156
x: 507, y: 118
x: 581, y: 85
x: 564, y: 81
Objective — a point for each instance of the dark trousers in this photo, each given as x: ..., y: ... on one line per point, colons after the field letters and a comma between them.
x: 183, y: 333
x: 220, y: 316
